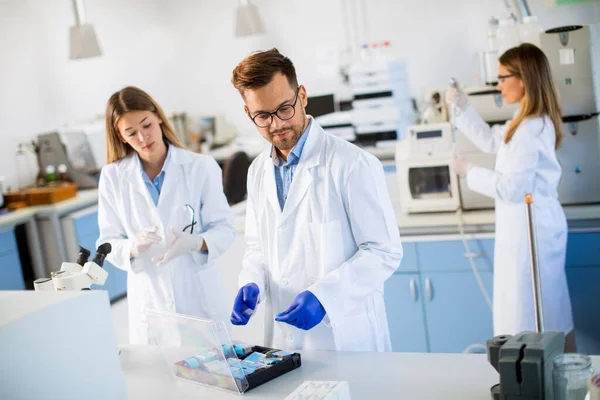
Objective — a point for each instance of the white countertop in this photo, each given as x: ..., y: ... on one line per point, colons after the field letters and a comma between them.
x: 13, y: 218
x: 403, y: 376
x: 419, y: 223
x: 83, y: 199
x: 482, y: 217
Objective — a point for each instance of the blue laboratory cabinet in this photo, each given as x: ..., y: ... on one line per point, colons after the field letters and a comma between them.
x: 434, y: 302
x: 11, y: 273
x: 81, y: 228
x: 403, y: 298
x: 583, y: 277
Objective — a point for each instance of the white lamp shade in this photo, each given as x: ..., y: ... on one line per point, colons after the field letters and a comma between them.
x: 84, y: 43
x: 247, y: 21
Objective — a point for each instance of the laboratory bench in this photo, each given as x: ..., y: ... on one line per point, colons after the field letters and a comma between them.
x: 11, y: 271
x: 54, y: 232
x: 579, y: 218
x: 423, y: 376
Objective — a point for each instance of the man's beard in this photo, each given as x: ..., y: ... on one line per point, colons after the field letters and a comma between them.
x: 289, y: 141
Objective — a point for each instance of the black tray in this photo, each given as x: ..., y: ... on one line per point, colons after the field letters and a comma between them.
x: 257, y: 378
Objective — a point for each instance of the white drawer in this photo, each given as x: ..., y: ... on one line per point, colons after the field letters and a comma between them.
x: 367, y: 79
x: 368, y: 115
x: 376, y: 127
x: 346, y: 133
x: 373, y: 103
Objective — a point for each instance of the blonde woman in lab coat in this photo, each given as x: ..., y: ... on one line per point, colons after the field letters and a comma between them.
x: 163, y: 210
x: 525, y: 163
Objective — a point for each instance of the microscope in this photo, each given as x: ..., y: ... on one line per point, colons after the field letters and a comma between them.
x: 79, y: 275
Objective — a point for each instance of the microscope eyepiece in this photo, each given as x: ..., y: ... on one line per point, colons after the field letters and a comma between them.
x: 84, y: 255
x: 101, y: 253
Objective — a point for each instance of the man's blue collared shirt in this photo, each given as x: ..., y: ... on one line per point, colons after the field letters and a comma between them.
x: 284, y: 170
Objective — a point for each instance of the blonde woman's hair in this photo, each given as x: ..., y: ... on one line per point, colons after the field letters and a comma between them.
x: 125, y: 100
x: 528, y: 63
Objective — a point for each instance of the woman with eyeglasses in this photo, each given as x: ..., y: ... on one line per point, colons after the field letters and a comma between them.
x: 163, y: 210
x: 526, y: 162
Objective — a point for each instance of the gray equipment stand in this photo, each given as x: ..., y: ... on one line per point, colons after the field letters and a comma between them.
x: 524, y: 361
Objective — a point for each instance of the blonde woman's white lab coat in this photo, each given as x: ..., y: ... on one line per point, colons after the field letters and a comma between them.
x: 189, y: 284
x: 527, y: 164
x: 337, y: 237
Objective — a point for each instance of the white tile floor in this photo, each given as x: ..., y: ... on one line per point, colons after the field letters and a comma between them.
x: 120, y: 318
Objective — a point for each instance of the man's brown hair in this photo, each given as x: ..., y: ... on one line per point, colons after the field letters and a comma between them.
x: 259, y: 68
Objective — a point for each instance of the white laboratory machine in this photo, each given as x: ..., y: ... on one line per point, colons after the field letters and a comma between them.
x: 382, y: 106
x: 574, y: 56
x: 338, y: 124
x: 77, y: 276
x: 579, y: 158
x: 426, y: 178
x: 490, y: 105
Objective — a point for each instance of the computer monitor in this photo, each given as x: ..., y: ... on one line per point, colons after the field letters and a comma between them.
x: 320, y: 105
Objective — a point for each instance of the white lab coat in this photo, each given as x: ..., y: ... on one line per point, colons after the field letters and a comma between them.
x: 527, y: 164
x: 336, y: 237
x: 189, y: 284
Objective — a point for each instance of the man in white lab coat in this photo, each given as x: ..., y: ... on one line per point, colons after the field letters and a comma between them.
x: 321, y: 236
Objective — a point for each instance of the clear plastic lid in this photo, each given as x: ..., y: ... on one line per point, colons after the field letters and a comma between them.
x: 197, y: 350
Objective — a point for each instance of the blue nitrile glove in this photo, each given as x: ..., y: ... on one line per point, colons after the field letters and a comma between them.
x: 244, y: 304
x: 305, y: 312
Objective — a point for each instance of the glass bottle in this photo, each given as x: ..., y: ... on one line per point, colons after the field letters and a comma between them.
x: 570, y: 375
x: 50, y: 173
x: 62, y: 173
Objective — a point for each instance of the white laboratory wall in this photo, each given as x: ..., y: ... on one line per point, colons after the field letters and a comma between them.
x: 440, y: 39
x: 208, y: 51
x: 183, y: 52
x: 41, y: 89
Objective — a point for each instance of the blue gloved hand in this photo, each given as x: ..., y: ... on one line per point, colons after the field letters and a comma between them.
x: 305, y: 312
x: 244, y: 304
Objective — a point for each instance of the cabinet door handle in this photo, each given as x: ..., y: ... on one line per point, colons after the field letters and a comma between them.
x: 413, y: 289
x: 428, y: 289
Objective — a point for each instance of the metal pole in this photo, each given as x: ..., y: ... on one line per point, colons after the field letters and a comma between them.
x: 79, y: 12
x: 535, y: 266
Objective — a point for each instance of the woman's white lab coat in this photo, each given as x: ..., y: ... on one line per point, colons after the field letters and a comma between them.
x: 527, y: 164
x: 189, y: 284
x: 337, y: 237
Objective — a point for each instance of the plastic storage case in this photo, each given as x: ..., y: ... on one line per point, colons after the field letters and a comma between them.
x: 200, y: 350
